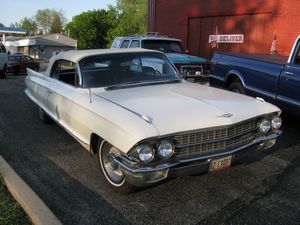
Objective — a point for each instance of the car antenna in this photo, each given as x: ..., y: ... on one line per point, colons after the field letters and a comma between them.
x: 90, y: 95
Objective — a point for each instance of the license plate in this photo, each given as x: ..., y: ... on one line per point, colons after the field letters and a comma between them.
x: 220, y: 164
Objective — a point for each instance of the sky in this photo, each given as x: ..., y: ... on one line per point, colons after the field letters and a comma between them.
x: 12, y: 11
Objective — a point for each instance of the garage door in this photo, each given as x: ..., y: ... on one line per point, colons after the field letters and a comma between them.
x: 256, y: 29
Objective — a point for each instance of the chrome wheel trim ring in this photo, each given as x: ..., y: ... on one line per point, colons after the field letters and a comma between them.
x: 111, y: 172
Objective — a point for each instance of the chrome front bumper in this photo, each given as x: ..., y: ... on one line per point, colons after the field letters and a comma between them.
x: 144, y: 176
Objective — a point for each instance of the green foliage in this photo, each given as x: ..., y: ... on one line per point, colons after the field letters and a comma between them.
x: 10, y: 211
x: 47, y: 20
x: 90, y: 28
x: 2, y: 25
x: 15, y: 25
x: 56, y: 26
x: 30, y: 26
x: 130, y: 18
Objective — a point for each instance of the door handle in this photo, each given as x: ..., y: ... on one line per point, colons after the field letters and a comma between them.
x: 289, y: 73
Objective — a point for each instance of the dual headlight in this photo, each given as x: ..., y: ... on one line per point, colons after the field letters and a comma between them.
x: 265, y: 125
x: 146, y: 152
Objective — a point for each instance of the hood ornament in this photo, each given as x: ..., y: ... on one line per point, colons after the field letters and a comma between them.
x: 226, y: 115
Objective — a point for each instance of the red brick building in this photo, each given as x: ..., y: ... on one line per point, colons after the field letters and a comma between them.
x: 194, y: 20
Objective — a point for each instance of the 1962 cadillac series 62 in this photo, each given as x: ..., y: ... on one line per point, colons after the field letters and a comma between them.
x: 130, y: 108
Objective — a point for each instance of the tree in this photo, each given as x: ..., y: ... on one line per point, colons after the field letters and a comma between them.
x: 48, y: 18
x: 90, y: 28
x: 2, y: 25
x: 131, y: 18
x: 56, y: 26
x: 15, y: 25
x: 30, y: 26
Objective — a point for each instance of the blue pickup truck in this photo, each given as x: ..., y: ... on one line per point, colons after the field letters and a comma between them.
x: 274, y: 78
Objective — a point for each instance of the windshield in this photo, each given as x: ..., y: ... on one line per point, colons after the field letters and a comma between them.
x: 165, y: 46
x: 124, y: 69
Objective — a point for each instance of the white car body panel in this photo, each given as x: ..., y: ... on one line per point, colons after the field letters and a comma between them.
x: 115, y: 115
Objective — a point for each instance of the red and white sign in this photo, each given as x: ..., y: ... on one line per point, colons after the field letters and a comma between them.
x: 226, y: 38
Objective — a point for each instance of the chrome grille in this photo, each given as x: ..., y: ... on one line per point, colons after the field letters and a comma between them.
x: 216, y: 140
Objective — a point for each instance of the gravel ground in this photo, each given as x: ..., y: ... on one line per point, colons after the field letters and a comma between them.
x: 262, y: 190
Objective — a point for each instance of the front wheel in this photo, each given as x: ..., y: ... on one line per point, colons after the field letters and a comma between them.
x: 111, y: 170
x: 237, y: 87
x: 3, y: 73
x: 16, y: 70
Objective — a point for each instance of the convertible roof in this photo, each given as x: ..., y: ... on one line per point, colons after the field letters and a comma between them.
x: 76, y: 55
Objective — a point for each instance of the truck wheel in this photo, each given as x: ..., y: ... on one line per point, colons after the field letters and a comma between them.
x: 16, y: 70
x: 110, y: 170
x: 3, y: 73
x: 43, y: 116
x: 237, y: 87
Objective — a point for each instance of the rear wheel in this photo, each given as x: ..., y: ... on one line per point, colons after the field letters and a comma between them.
x: 237, y: 87
x: 43, y: 116
x: 111, y: 170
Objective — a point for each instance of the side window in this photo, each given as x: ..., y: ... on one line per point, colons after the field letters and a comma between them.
x: 22, y: 59
x: 135, y: 44
x: 55, y: 70
x: 297, y: 55
x: 29, y: 59
x: 116, y: 43
x: 125, y: 44
x: 65, y: 71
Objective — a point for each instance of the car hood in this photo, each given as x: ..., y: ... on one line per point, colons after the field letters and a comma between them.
x: 186, y: 106
x: 183, y: 58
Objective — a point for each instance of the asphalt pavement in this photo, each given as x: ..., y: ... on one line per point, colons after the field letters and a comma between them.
x: 262, y: 190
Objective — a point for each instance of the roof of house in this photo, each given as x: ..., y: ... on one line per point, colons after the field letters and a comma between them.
x: 57, y: 39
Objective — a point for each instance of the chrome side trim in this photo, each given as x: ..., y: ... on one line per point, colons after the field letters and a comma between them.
x: 132, y: 167
x: 143, y: 117
x: 288, y: 100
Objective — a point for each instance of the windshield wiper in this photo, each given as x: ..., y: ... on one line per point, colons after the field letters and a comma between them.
x: 144, y: 82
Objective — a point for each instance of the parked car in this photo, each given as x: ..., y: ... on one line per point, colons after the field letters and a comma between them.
x: 187, y: 65
x: 18, y: 63
x: 146, y: 124
x: 3, y: 61
x: 274, y: 78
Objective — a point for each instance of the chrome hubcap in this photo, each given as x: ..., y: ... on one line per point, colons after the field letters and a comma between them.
x: 112, y: 169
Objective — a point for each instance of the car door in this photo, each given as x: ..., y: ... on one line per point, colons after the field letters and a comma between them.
x: 63, y: 89
x: 22, y: 64
x: 30, y: 63
x: 289, y: 83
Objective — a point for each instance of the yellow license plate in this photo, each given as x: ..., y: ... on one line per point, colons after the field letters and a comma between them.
x: 220, y: 164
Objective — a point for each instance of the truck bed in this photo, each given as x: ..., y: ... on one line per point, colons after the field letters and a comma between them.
x: 276, y: 59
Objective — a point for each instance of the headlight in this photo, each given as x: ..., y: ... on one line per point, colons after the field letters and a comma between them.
x: 145, y: 152
x: 165, y: 149
x: 264, y: 126
x: 276, y: 122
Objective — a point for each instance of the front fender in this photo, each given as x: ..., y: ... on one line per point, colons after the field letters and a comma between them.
x: 235, y: 73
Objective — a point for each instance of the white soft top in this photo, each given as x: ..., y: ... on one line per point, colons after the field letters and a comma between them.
x: 76, y: 55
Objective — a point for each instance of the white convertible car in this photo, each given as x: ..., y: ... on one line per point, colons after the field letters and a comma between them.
x: 146, y: 124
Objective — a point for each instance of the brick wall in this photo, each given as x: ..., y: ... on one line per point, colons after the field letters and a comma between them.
x: 193, y: 20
